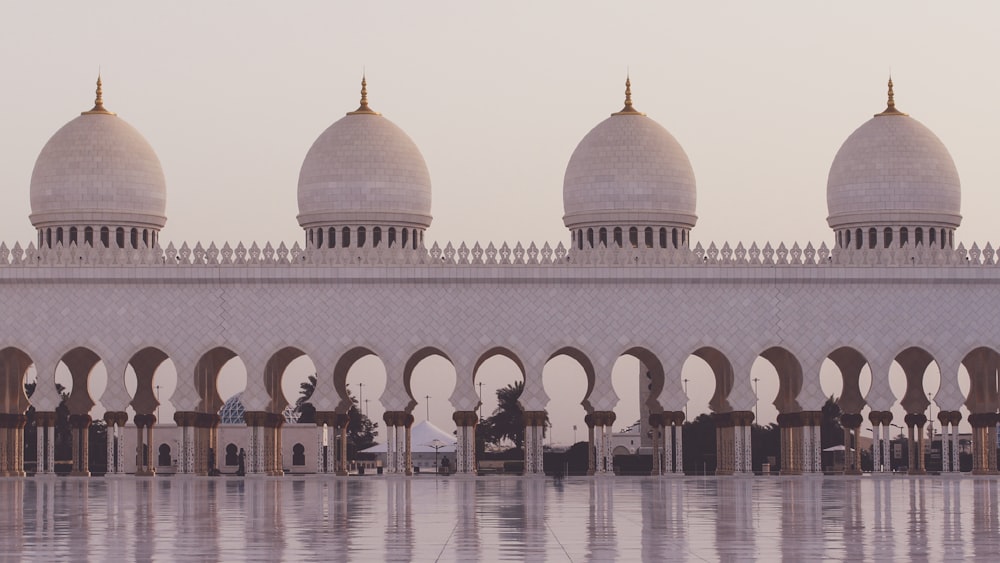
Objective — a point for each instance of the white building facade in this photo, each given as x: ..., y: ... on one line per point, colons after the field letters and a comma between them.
x: 98, y: 285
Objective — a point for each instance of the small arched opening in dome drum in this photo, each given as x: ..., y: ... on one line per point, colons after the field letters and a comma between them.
x: 88, y: 236
x: 649, y: 237
x: 331, y: 238
x: 361, y: 237
x: 633, y: 237
x: 590, y: 238
x: 887, y: 237
x: 319, y: 238
x: 904, y: 236
x: 872, y: 236
x: 105, y: 237
x: 618, y: 237
x: 345, y: 237
x: 918, y: 236
x: 376, y: 236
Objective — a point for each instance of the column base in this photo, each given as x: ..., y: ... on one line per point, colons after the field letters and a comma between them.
x: 146, y: 473
x: 917, y: 472
x: 341, y: 473
x: 984, y: 472
x: 855, y: 472
x: 79, y: 473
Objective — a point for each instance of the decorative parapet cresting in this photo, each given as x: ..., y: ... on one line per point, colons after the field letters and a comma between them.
x: 492, y: 255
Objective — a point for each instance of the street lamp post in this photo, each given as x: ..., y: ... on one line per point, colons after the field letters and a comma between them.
x: 428, y: 408
x: 437, y: 445
x: 366, y: 408
x: 361, y: 393
x: 157, y: 403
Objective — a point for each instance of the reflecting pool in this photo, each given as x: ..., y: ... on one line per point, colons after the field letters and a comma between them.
x: 502, y: 518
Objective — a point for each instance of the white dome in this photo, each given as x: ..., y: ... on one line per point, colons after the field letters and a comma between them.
x: 893, y: 171
x: 98, y: 170
x: 364, y: 170
x: 629, y: 170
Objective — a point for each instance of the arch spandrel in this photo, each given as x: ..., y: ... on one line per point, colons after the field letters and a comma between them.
x: 115, y: 396
x: 412, y: 361
x: 594, y: 375
x: 851, y: 362
x: 650, y: 360
x: 80, y: 361
x: 984, y: 396
x: 144, y: 363
x: 14, y: 364
x: 264, y: 392
x: 915, y: 361
x: 790, y: 376
x: 722, y: 370
x: 205, y: 378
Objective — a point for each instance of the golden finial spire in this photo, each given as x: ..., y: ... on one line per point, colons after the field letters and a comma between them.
x: 628, y: 109
x: 363, y: 108
x: 890, y: 108
x: 98, y: 101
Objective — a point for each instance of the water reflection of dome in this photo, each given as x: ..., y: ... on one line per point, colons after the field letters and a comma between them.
x: 232, y: 411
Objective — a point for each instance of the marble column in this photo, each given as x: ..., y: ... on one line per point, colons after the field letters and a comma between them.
x: 6, y: 449
x: 145, y: 466
x: 591, y: 448
x: 115, y: 421
x: 185, y: 421
x: 534, y: 440
x: 389, y: 417
x: 851, y: 422
x: 660, y: 443
x: 45, y: 443
x: 915, y: 426
x: 733, y: 448
x: 984, y: 443
x: 790, y: 429
x: 880, y: 446
x: 80, y: 424
x: 408, y: 458
x: 255, y: 421
x: 325, y: 443
x: 465, y: 452
x: 811, y: 445
x: 603, y: 421
x: 678, y: 442
x: 341, y: 421
x: 949, y: 440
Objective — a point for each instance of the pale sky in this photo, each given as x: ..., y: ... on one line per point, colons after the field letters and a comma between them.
x: 497, y: 95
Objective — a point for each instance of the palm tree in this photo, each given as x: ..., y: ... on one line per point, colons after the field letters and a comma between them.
x: 507, y: 420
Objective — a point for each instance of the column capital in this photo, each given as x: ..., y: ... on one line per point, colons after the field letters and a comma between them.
x: 325, y: 417
x: 811, y: 418
x: 915, y: 419
x: 791, y: 420
x: 45, y: 418
x: 949, y: 417
x: 983, y: 420
x: 851, y: 420
x: 143, y: 420
x: 880, y: 417
x: 112, y: 418
x: 185, y: 418
x: 601, y: 418
x: 465, y: 418
x: 80, y: 420
x: 535, y: 418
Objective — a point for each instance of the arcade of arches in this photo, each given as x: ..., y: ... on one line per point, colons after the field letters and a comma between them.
x: 799, y: 428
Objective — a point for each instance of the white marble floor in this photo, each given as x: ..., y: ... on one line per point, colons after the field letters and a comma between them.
x: 495, y: 519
